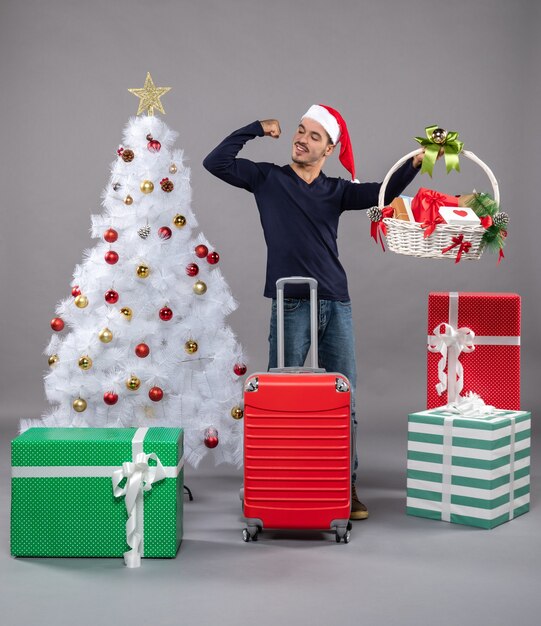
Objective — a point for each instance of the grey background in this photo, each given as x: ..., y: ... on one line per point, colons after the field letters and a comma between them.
x: 391, y: 68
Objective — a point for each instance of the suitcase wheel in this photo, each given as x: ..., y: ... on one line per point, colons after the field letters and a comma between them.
x: 250, y: 533
x: 343, y: 533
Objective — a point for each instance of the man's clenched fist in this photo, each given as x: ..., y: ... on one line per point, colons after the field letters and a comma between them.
x: 271, y: 128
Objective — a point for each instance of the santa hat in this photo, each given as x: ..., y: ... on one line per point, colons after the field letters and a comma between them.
x: 336, y: 127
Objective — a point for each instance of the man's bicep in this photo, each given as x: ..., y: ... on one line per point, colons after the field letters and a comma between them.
x: 359, y: 196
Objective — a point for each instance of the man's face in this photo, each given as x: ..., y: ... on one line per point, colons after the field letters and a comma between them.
x: 311, y: 143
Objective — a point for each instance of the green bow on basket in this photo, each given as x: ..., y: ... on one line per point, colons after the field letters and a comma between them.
x: 436, y: 139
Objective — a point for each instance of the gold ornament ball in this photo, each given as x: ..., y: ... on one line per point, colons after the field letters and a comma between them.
x: 179, y: 220
x: 237, y: 413
x: 172, y: 168
x: 133, y: 383
x: 147, y: 186
x: 81, y: 301
x: 85, y: 362
x: 53, y: 359
x: 105, y: 335
x: 143, y: 271
x: 126, y: 312
x: 128, y: 200
x: 199, y: 288
x: 191, y: 346
x: 79, y: 405
x: 439, y: 136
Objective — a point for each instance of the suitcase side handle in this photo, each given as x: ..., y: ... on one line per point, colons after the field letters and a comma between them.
x: 280, y: 284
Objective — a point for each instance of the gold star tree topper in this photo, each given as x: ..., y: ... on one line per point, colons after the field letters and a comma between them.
x: 150, y: 96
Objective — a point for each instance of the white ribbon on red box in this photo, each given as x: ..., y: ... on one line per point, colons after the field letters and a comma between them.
x: 450, y: 341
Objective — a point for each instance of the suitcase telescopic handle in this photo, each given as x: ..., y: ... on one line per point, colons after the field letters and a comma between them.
x: 280, y: 284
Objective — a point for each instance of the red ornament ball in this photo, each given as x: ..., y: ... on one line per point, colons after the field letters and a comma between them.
x: 164, y: 232
x: 211, y: 437
x: 211, y: 442
x: 110, y: 235
x: 76, y: 291
x: 110, y: 398
x: 239, y: 369
x: 192, y: 269
x: 166, y: 314
x: 142, y: 350
x: 154, y: 145
x: 111, y: 296
x: 57, y: 324
x: 213, y: 258
x: 111, y: 257
x: 155, y: 394
x: 201, y: 251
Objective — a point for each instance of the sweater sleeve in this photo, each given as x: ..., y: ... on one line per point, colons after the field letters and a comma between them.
x: 365, y: 195
x: 222, y: 161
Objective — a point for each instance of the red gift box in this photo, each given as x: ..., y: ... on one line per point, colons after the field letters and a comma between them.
x: 426, y: 204
x: 476, y: 336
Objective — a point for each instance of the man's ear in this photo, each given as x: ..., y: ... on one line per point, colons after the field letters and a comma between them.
x: 330, y: 149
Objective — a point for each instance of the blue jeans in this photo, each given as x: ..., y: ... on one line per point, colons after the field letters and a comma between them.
x: 336, y: 344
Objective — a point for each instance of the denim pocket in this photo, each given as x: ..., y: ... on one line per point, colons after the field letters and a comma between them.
x: 290, y: 304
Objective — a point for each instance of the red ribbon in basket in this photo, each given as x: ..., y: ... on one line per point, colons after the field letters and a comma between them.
x: 376, y: 228
x: 464, y: 246
x: 430, y: 226
x: 501, y: 254
x: 427, y: 202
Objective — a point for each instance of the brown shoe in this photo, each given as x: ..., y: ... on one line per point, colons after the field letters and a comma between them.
x: 358, y: 509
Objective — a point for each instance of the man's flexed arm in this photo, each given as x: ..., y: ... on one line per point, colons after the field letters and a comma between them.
x: 223, y: 161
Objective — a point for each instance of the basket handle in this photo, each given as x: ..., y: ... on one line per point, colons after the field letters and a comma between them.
x: 466, y: 153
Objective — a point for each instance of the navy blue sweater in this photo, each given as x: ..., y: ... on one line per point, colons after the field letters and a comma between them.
x: 299, y: 219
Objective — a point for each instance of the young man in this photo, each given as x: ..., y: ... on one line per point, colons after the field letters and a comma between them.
x: 299, y: 209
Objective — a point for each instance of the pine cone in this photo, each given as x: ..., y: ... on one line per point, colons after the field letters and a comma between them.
x: 144, y: 232
x: 127, y: 155
x: 167, y: 185
x: 501, y: 219
x: 375, y: 214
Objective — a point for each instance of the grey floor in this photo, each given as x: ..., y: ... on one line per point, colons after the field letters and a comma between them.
x: 396, y: 570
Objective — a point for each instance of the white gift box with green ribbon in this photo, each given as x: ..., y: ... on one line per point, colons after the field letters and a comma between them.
x: 469, y: 470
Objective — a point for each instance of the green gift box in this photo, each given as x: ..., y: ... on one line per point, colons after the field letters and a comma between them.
x: 97, y: 492
x: 469, y: 470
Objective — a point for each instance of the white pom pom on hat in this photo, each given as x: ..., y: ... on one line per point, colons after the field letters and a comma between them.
x: 336, y: 127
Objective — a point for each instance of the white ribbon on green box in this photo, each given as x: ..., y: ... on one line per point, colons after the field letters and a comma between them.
x: 139, y: 475
x: 450, y: 342
x: 448, y: 450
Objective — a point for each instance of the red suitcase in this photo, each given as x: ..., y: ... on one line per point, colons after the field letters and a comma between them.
x: 297, y: 442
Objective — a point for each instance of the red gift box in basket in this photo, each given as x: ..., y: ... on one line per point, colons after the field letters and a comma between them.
x: 429, y: 236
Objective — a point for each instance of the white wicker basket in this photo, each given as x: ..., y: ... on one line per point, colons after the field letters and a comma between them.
x: 408, y: 237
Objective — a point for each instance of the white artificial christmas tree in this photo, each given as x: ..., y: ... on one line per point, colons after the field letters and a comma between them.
x: 143, y: 341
